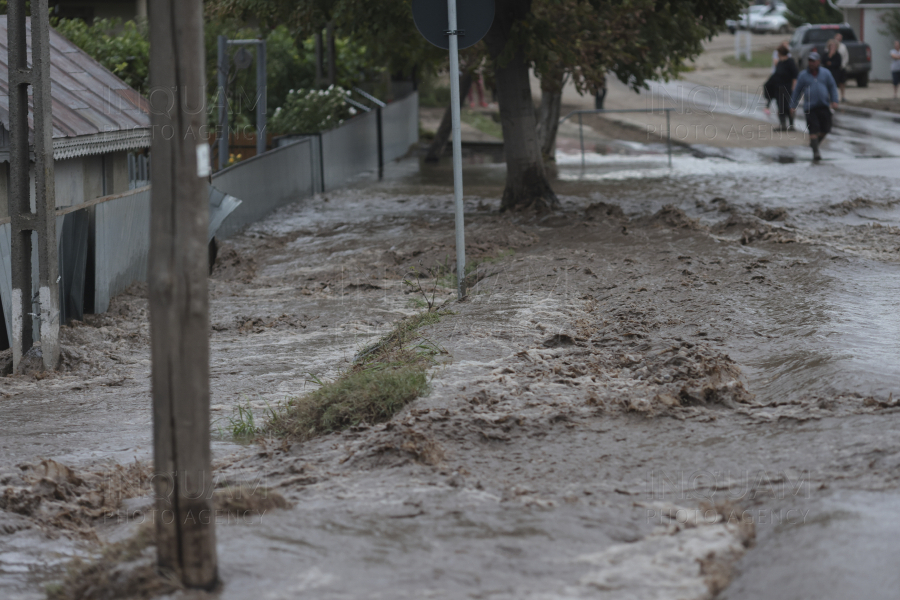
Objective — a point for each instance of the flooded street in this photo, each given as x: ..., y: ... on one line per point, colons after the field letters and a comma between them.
x: 683, y: 385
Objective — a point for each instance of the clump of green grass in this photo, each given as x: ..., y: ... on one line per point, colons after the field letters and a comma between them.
x: 384, y: 378
x: 357, y: 397
x: 241, y: 423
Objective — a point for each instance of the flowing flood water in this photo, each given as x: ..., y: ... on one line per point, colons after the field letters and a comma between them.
x: 721, y: 336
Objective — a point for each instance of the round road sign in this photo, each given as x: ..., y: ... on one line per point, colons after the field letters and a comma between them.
x: 473, y: 20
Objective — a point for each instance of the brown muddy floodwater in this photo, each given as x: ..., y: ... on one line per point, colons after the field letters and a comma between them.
x: 684, y: 385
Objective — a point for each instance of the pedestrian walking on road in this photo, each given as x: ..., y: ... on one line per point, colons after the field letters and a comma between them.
x: 820, y: 94
x: 841, y: 77
x: 895, y: 66
x: 600, y: 96
x: 776, y: 56
x: 781, y: 85
x: 834, y: 62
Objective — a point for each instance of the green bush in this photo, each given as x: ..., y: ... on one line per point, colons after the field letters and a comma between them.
x: 891, y: 24
x: 123, y: 48
x: 432, y: 94
x: 312, y: 111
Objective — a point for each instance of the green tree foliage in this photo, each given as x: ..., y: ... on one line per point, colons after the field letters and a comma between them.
x: 124, y: 49
x: 891, y: 24
x: 4, y: 6
x: 638, y: 40
x: 383, y: 28
x: 812, y: 11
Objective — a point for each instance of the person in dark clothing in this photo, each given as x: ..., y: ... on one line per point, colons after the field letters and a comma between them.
x: 834, y: 62
x: 600, y: 96
x: 820, y: 94
x: 781, y: 85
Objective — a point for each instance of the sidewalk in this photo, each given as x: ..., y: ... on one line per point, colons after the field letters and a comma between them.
x: 726, y: 128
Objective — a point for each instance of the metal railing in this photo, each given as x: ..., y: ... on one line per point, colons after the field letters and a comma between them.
x: 668, y: 112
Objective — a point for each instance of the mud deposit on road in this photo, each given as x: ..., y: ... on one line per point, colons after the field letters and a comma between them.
x: 638, y: 397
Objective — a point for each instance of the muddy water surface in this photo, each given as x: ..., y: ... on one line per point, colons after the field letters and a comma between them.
x: 608, y: 372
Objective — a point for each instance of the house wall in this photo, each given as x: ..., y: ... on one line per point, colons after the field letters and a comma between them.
x: 853, y: 18
x: 69, y: 176
x: 78, y: 179
x: 867, y: 24
x: 115, y: 169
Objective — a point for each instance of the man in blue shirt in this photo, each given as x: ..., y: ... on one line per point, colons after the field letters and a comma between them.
x: 817, y: 84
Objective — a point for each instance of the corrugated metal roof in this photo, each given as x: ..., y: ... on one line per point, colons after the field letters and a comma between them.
x: 93, y: 110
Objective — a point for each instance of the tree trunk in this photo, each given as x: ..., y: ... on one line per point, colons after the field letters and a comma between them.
x: 436, y: 149
x: 548, y: 123
x: 527, y: 187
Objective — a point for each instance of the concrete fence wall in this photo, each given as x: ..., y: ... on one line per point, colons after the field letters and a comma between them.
x: 401, y: 127
x: 301, y: 166
x: 121, y: 245
x: 350, y: 150
x: 266, y: 182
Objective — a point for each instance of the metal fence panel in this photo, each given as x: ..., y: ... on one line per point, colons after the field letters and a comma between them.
x: 266, y: 182
x: 401, y: 126
x: 122, y: 229
x: 350, y: 150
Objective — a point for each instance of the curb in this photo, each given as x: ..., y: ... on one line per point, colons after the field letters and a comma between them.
x: 870, y: 113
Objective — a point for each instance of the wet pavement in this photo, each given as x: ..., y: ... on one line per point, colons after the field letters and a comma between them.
x: 720, y: 350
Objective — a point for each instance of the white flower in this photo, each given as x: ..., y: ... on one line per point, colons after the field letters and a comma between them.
x: 352, y: 111
x: 291, y: 92
x: 330, y: 87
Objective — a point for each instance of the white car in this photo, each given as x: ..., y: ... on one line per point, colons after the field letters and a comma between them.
x: 748, y: 15
x: 762, y: 18
x: 773, y: 20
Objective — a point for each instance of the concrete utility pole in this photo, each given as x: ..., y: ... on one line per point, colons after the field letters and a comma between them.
x: 37, y: 219
x: 179, y: 305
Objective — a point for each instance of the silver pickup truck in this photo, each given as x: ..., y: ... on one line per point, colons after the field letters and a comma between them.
x: 814, y: 37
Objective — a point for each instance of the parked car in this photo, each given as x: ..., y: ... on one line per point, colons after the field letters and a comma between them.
x: 772, y: 20
x: 746, y: 17
x: 814, y: 37
x: 762, y: 18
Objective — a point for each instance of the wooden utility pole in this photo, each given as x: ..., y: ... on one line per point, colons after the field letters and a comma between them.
x: 179, y: 305
x: 39, y: 218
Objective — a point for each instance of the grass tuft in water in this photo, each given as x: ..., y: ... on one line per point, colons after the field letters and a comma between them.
x: 241, y: 423
x: 357, y: 397
x: 385, y: 377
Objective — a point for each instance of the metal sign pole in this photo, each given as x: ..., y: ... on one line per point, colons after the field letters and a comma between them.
x: 477, y: 17
x: 457, y: 151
